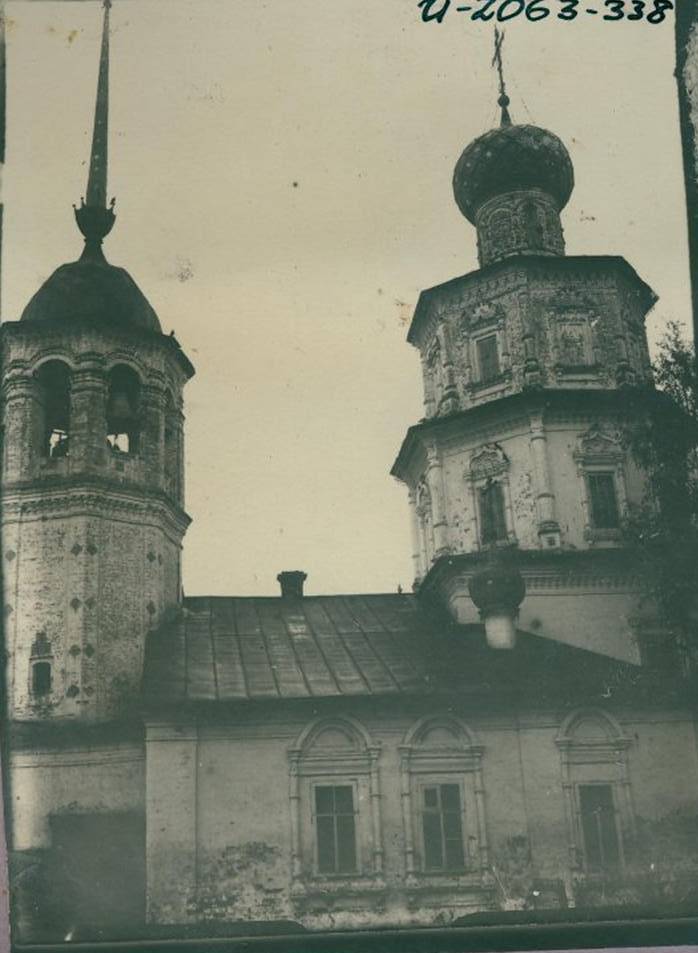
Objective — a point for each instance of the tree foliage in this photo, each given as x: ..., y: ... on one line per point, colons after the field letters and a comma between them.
x: 661, y: 430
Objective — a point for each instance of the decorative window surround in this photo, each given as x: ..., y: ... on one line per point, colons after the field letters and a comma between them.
x: 599, y: 451
x: 489, y: 462
x: 336, y: 751
x: 498, y: 331
x: 441, y: 393
x: 450, y: 756
x: 483, y: 320
x: 594, y: 749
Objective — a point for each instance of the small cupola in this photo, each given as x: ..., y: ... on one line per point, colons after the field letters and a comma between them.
x: 512, y: 183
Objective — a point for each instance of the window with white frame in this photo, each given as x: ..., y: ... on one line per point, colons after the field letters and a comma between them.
x: 334, y: 799
x: 443, y: 799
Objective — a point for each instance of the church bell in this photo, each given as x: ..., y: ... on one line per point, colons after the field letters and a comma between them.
x: 120, y: 409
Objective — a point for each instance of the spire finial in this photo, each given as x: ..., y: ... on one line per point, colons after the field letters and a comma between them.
x: 503, y: 100
x: 94, y: 218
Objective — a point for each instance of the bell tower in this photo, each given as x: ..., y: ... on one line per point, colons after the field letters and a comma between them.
x: 92, y: 468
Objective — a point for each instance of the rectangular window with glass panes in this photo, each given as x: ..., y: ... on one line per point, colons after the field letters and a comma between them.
x: 335, y: 829
x: 603, y: 500
x: 493, y: 527
x: 488, y: 358
x: 442, y: 827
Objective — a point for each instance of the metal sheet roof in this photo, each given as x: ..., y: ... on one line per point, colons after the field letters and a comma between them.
x: 232, y: 649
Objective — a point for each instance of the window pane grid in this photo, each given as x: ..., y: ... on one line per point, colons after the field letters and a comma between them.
x: 442, y: 828
x: 336, y: 829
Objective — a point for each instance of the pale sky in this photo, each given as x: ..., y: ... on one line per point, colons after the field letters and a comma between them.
x: 283, y: 181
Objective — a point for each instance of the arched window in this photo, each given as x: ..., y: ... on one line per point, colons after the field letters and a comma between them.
x: 596, y: 785
x: 443, y: 799
x: 54, y: 395
x: 488, y: 476
x: 334, y: 796
x: 123, y: 410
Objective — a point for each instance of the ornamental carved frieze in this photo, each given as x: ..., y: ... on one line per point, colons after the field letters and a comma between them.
x: 487, y: 462
x: 481, y: 314
x: 598, y: 445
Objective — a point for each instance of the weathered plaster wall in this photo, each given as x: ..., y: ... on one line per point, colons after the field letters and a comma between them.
x: 222, y: 814
x: 93, y: 578
x: 78, y: 781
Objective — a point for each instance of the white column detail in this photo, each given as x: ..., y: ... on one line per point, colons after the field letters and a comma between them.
x: 434, y: 477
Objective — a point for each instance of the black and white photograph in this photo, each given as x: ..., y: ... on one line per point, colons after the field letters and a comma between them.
x: 349, y: 465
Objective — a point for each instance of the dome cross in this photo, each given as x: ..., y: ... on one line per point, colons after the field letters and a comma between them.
x: 497, y: 61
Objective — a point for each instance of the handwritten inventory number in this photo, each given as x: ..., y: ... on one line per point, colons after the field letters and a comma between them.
x: 653, y: 11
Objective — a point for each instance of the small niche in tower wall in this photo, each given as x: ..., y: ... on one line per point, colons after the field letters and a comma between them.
x: 41, y: 647
x: 41, y: 678
x: 54, y: 396
x: 123, y: 411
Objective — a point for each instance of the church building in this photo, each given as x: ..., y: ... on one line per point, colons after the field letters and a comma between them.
x: 512, y: 734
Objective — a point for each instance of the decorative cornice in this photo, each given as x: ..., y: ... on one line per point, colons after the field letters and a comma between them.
x: 510, y: 273
x: 486, y: 422
x: 544, y: 570
x: 95, y: 494
x: 62, y: 340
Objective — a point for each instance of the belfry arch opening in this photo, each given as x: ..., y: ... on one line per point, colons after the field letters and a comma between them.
x: 54, y: 392
x: 123, y: 410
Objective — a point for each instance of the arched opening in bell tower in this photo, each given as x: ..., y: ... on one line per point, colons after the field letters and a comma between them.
x: 54, y: 385
x: 123, y: 410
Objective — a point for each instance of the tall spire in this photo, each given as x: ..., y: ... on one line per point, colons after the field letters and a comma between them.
x: 94, y: 218
x: 503, y: 100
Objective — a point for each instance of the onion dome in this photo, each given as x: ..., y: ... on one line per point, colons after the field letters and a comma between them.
x: 509, y: 159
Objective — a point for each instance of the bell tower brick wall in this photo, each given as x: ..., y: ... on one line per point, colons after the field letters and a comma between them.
x: 91, y: 536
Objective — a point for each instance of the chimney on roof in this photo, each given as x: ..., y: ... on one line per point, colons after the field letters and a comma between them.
x: 291, y: 582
